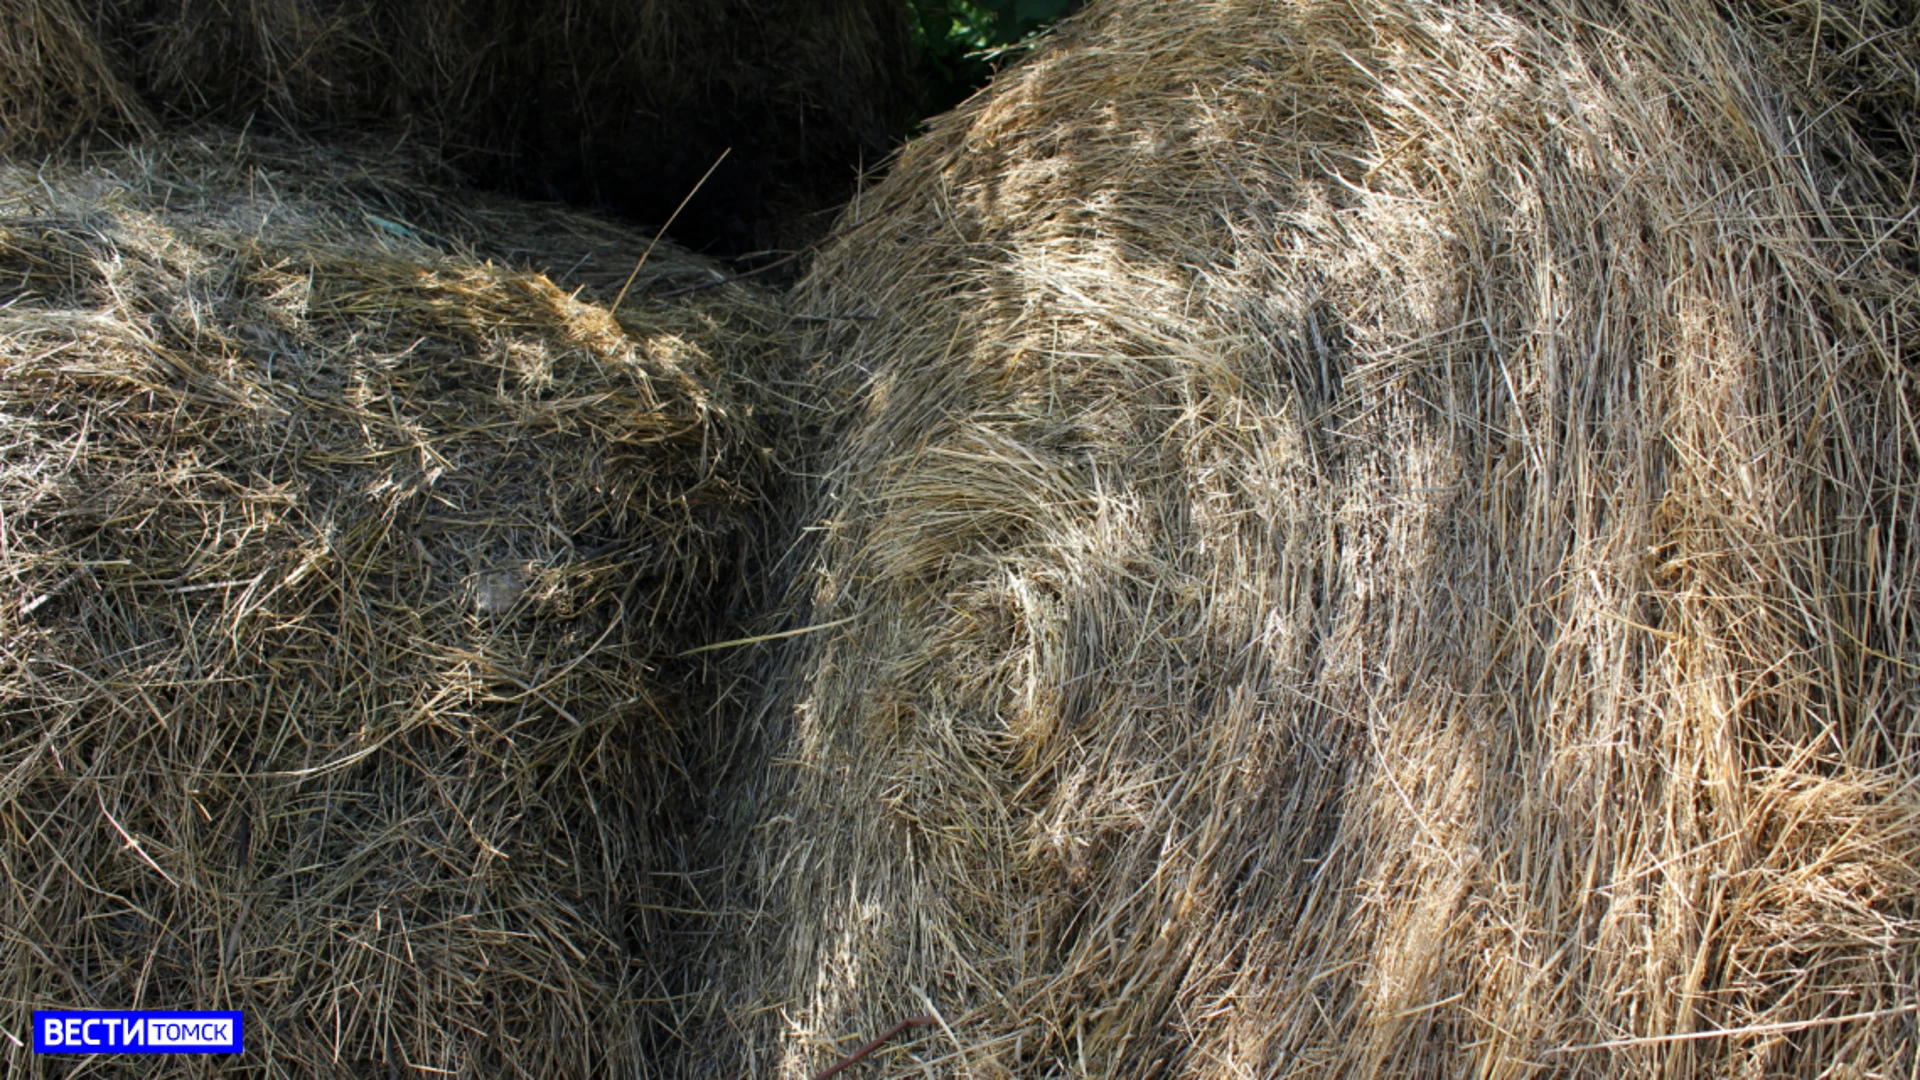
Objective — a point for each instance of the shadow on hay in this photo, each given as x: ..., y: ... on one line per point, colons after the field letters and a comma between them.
x: 617, y: 106
x: 1357, y: 546
x: 348, y: 572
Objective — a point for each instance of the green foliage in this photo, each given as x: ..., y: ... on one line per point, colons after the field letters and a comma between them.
x: 960, y: 42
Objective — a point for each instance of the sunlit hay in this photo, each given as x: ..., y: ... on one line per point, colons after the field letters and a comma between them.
x: 349, y: 538
x: 1368, y: 538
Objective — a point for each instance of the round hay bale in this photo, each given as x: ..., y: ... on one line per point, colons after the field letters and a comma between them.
x: 346, y: 557
x: 1363, y: 539
x: 602, y: 102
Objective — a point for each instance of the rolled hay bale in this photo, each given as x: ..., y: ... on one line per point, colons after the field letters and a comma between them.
x: 1364, y: 539
x: 347, y: 555
x: 622, y: 105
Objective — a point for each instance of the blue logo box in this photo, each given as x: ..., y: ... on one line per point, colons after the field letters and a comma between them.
x: 147, y: 1031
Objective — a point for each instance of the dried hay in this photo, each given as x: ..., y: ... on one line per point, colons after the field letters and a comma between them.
x: 591, y: 101
x: 1853, y: 67
x: 346, y: 557
x: 1366, y: 538
x: 55, y: 81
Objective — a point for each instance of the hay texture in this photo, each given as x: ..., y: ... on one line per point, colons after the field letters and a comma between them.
x: 1853, y: 68
x: 346, y: 555
x: 1366, y: 538
x: 55, y: 81
x: 604, y: 102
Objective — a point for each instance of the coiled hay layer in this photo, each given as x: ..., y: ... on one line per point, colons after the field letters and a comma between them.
x: 592, y: 101
x: 1367, y: 538
x: 346, y: 556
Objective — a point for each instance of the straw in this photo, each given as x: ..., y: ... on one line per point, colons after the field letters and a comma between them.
x: 1367, y: 539
x: 347, y: 540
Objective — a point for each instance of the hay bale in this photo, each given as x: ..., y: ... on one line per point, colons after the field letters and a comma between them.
x: 346, y: 557
x: 616, y: 104
x: 1854, y: 68
x: 1363, y: 539
x: 55, y: 81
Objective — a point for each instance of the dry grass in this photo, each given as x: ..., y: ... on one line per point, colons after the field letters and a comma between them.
x: 56, y: 83
x: 1370, y: 537
x: 594, y: 101
x: 346, y: 556
x: 1854, y: 69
